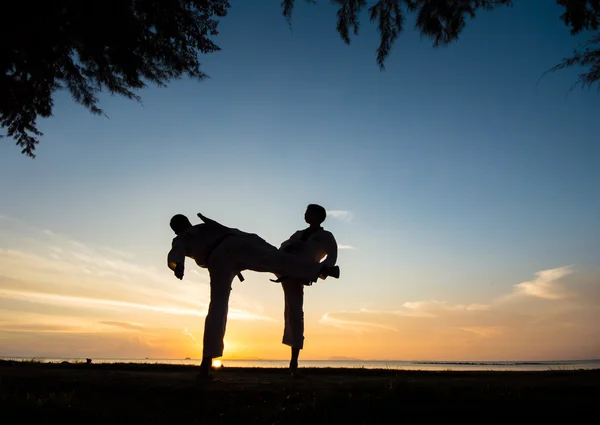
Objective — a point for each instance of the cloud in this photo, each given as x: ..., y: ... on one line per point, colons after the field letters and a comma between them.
x: 97, y: 303
x: 123, y: 325
x: 368, y: 320
x: 341, y: 246
x: 483, y: 331
x: 190, y: 335
x: 358, y: 326
x: 60, y: 297
x: 400, y: 312
x: 83, y: 343
x: 478, y: 307
x: 365, y: 320
x: 111, y: 304
x: 545, y: 285
x: 343, y: 215
x: 553, y: 316
x: 48, y: 266
x: 38, y: 328
x: 433, y: 308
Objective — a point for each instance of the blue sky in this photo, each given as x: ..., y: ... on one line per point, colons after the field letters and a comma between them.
x: 460, y: 173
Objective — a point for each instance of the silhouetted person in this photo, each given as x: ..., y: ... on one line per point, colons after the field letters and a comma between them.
x: 225, y: 252
x: 313, y: 244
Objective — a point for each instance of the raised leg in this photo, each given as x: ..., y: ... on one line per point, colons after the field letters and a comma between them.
x: 257, y: 255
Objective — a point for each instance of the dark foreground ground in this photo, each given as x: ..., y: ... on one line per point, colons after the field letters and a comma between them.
x: 38, y: 393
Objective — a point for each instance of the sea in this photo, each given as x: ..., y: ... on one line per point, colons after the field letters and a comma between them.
x: 359, y: 364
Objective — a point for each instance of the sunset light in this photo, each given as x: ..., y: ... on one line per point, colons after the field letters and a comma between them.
x: 172, y: 174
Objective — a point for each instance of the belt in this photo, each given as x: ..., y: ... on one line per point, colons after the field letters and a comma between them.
x: 282, y: 278
x: 214, y: 246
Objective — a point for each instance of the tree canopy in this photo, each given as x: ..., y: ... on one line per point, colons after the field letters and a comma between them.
x: 119, y: 46
x: 86, y: 46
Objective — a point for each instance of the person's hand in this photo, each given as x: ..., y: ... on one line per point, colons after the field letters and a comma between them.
x: 179, y: 271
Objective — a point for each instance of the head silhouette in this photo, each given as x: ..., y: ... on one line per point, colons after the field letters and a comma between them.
x: 315, y: 215
x: 180, y: 223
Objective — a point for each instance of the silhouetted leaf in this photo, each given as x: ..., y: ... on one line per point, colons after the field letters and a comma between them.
x: 119, y: 46
x: 89, y: 46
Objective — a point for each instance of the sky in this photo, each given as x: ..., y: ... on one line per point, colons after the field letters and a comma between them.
x: 462, y: 187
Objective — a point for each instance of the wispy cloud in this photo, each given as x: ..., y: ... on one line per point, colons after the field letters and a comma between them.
x: 358, y: 326
x: 343, y: 215
x: 483, y: 331
x: 545, y: 285
x: 478, y: 307
x: 432, y: 308
x: 190, y: 335
x: 38, y: 328
x: 124, y: 325
x: 365, y: 320
x: 57, y: 293
x: 540, y: 316
x: 406, y: 312
x: 48, y: 266
x: 85, y: 302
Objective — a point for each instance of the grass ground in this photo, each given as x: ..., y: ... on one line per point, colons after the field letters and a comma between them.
x: 42, y: 393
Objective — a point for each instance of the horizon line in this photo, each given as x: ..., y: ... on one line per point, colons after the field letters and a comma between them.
x: 40, y: 358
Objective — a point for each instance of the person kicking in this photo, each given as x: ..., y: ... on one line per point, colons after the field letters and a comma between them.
x: 226, y: 252
x: 313, y: 244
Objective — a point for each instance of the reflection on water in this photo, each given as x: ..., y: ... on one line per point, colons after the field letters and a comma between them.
x: 367, y: 364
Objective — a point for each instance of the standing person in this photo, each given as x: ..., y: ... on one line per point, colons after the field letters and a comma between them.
x: 313, y: 244
x: 225, y: 252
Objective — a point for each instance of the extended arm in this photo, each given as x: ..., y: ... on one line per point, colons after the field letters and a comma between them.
x: 176, y: 257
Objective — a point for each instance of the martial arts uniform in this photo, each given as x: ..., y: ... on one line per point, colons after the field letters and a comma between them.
x: 225, y: 252
x: 311, y: 245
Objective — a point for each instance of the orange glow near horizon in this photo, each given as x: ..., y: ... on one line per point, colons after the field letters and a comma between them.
x: 71, y: 301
